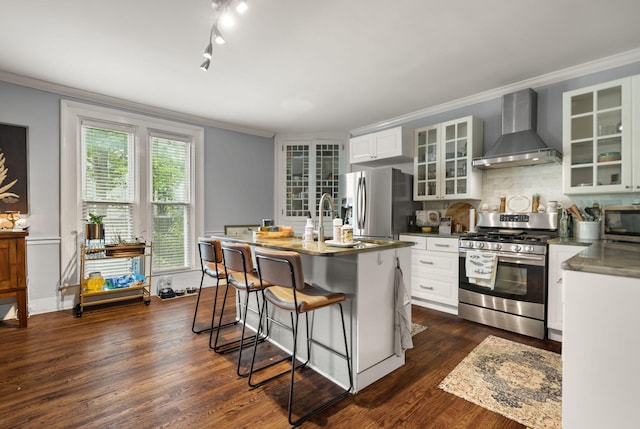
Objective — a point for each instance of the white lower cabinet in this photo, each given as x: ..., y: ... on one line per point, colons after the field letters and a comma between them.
x: 434, y: 272
x: 558, y: 253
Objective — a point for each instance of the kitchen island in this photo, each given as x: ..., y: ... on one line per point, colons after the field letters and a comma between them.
x: 365, y: 273
x: 601, y: 337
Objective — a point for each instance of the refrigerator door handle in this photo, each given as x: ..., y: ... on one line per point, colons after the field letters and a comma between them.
x: 364, y: 203
x: 358, y: 187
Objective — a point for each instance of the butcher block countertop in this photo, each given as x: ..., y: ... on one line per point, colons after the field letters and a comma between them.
x: 315, y: 248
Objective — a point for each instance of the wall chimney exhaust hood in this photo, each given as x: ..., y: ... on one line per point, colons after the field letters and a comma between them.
x: 519, y: 143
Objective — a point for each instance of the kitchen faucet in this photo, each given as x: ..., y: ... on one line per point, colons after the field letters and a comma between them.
x: 324, y: 197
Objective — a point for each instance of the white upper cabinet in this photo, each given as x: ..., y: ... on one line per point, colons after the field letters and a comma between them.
x: 442, y: 165
x: 389, y: 146
x: 599, y: 125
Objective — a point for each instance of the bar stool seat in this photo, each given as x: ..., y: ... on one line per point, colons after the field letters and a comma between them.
x: 211, y: 265
x: 242, y: 276
x: 289, y: 292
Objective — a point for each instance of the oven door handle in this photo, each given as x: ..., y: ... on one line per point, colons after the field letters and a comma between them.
x: 522, y: 259
x: 516, y: 259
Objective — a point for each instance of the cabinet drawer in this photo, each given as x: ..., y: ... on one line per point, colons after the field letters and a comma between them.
x: 425, y: 263
x: 439, y: 244
x: 420, y: 242
x: 435, y: 288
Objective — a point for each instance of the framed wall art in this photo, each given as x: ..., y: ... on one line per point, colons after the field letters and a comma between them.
x: 13, y: 169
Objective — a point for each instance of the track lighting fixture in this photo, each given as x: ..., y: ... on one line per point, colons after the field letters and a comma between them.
x: 223, y: 16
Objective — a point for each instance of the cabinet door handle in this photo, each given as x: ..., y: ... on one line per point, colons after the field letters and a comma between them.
x: 426, y: 262
x: 559, y: 280
x: 426, y: 287
x: 442, y: 245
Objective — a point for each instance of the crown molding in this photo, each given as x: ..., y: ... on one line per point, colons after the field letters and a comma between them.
x: 67, y: 91
x: 601, y: 64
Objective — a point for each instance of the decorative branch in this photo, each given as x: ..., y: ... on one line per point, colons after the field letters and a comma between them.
x: 3, y: 175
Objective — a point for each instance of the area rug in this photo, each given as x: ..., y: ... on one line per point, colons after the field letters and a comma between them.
x: 417, y: 328
x: 521, y: 382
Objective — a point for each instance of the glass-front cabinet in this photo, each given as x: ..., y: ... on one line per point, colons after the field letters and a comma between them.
x: 442, y: 166
x: 309, y: 169
x: 597, y: 145
x: 426, y: 162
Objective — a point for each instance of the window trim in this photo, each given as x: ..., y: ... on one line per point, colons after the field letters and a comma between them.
x: 72, y: 116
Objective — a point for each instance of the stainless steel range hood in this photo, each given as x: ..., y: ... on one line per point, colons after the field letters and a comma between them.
x: 519, y: 143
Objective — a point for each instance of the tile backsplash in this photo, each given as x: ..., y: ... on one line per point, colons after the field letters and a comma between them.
x: 545, y: 180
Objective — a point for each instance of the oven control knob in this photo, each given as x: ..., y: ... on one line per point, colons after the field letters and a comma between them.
x: 497, y: 246
x: 479, y: 244
x: 469, y: 244
x: 529, y: 249
x: 517, y: 247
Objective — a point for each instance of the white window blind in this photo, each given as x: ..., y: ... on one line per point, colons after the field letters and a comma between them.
x: 171, y: 202
x: 108, y: 187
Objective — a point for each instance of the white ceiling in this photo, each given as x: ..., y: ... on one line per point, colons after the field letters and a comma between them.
x: 297, y: 66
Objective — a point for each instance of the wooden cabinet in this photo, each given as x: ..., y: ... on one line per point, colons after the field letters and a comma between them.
x: 434, y: 272
x: 558, y: 253
x: 13, y: 271
x: 125, y: 274
x: 388, y: 146
x: 601, y: 125
x: 443, y: 161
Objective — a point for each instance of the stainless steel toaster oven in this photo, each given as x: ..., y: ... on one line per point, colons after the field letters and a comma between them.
x: 621, y: 223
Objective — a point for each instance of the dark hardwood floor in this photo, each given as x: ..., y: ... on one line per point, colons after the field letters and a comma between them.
x: 132, y: 365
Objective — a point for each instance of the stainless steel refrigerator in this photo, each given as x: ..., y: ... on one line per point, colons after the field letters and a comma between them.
x: 378, y: 202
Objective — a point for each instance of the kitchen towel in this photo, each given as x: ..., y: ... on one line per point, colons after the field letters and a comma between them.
x: 481, y: 268
x: 402, y: 323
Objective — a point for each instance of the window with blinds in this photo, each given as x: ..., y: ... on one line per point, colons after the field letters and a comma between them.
x: 171, y: 202
x: 108, y: 189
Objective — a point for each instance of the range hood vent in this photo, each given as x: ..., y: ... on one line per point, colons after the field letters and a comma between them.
x: 519, y: 143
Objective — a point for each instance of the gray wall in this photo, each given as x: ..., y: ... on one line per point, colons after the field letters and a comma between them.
x: 238, y: 175
x: 549, y: 108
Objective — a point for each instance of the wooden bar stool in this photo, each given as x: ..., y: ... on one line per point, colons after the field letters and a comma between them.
x: 289, y: 292
x: 211, y: 266
x: 241, y: 275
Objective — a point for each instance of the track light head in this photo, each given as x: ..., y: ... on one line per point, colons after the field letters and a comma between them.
x: 217, y: 36
x: 205, y: 65
x: 242, y: 6
x: 208, y: 52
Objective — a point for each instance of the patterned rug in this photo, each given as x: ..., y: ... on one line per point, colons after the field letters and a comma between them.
x: 416, y: 329
x: 520, y: 382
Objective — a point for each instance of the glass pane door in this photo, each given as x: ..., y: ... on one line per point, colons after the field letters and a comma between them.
x: 297, y: 180
x: 327, y: 174
x: 311, y: 169
x: 456, y: 159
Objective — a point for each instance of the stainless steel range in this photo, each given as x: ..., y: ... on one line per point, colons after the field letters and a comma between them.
x: 503, y: 271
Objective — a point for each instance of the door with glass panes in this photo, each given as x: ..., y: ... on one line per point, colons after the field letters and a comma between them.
x: 310, y: 168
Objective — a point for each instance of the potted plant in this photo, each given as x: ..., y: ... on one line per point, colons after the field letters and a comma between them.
x: 94, y: 229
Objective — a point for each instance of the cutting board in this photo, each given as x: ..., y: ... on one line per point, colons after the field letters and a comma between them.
x: 459, y: 213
